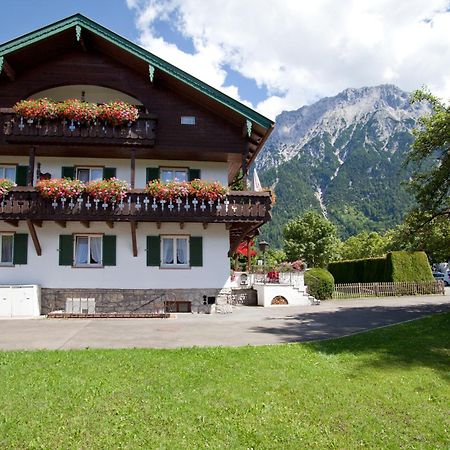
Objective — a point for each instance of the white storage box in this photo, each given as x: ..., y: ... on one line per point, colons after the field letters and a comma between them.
x: 20, y: 300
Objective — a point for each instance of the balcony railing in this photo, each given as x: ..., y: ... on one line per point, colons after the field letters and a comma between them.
x: 17, y: 129
x: 26, y: 203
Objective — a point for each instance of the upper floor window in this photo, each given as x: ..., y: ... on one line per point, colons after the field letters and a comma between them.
x: 174, y: 251
x: 171, y: 174
x: 87, y: 174
x: 88, y: 250
x: 6, y: 249
x: 187, y: 120
x: 8, y: 172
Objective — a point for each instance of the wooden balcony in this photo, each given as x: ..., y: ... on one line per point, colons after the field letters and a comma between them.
x: 25, y: 203
x: 16, y: 130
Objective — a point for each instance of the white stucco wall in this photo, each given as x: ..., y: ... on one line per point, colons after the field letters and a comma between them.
x: 210, y: 171
x: 129, y: 272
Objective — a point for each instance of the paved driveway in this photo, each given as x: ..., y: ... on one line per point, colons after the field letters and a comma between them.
x: 247, y: 325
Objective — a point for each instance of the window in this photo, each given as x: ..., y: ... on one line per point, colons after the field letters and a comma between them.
x: 174, y: 251
x: 8, y: 172
x: 172, y: 173
x: 89, y: 173
x: 88, y: 250
x: 6, y: 249
x: 187, y: 120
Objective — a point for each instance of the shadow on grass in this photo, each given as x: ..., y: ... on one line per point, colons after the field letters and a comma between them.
x: 419, y: 343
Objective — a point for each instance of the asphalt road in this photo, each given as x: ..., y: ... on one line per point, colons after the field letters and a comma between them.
x: 245, y: 326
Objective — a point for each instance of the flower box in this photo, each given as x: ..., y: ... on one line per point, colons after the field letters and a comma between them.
x: 112, y: 113
x: 112, y: 190
x: 202, y: 190
x: 57, y: 188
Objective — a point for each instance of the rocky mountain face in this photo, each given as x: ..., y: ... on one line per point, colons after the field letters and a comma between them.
x: 342, y: 156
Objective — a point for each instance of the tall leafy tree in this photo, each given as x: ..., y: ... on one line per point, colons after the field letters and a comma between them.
x: 364, y: 245
x: 312, y: 238
x: 430, y: 155
x: 417, y: 232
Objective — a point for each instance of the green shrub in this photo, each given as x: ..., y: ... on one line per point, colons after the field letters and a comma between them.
x: 320, y: 283
x: 396, y: 266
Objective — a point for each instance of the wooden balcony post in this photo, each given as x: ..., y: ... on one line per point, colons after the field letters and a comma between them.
x: 133, y: 168
x: 30, y: 175
x: 248, y: 255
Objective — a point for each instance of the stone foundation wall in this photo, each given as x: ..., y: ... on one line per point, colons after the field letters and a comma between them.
x: 131, y: 300
x: 241, y: 296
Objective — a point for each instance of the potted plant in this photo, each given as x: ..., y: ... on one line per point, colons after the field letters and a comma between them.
x: 6, y: 186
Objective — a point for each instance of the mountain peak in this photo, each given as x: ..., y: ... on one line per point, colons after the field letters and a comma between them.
x: 348, y: 149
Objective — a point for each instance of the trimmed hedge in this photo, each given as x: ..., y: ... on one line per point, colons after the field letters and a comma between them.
x: 410, y: 266
x: 320, y: 283
x: 396, y: 266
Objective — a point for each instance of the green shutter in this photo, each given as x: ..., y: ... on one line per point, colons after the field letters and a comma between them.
x: 196, y: 251
x: 65, y: 249
x: 194, y: 174
x: 20, y: 254
x: 68, y: 172
x: 109, y: 250
x: 21, y: 175
x: 151, y: 173
x: 153, y: 251
x: 109, y: 172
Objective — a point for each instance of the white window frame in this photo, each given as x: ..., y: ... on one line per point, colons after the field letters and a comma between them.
x: 7, y: 263
x: 175, y: 265
x: 89, y: 236
x: 174, y: 170
x: 77, y: 168
x: 3, y: 168
x: 188, y: 120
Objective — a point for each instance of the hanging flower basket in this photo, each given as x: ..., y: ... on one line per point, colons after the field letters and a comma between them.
x: 171, y: 190
x: 57, y: 188
x: 5, y: 187
x: 112, y: 190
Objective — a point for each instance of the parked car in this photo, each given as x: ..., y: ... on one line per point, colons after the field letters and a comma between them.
x: 439, y: 276
x: 447, y: 278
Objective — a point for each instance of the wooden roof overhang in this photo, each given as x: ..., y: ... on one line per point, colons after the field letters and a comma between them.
x: 79, y: 32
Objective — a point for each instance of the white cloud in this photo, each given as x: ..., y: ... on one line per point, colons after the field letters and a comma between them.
x: 301, y: 50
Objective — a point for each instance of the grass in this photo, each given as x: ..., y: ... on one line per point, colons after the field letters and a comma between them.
x: 387, y: 388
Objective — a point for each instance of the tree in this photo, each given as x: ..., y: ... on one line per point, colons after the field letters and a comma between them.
x: 364, y: 245
x: 312, y: 238
x: 430, y: 153
x: 417, y: 232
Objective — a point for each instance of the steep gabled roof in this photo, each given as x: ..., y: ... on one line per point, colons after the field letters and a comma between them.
x: 79, y: 22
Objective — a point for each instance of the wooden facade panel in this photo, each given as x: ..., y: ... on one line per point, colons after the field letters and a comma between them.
x: 210, y: 132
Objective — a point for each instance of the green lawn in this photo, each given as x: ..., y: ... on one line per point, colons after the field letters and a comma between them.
x: 387, y: 388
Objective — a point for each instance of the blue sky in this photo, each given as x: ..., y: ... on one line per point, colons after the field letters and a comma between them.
x: 273, y: 55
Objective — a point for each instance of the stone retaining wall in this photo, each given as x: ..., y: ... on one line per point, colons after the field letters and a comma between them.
x: 131, y: 300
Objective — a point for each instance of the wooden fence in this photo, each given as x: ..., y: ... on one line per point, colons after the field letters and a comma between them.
x: 357, y: 290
